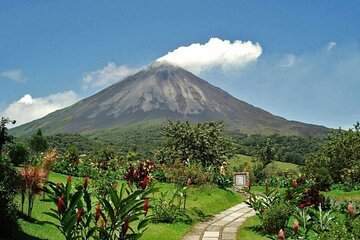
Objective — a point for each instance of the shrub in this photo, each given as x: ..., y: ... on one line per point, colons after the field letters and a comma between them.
x: 19, y: 153
x: 140, y: 175
x: 179, y: 173
x: 9, y: 187
x: 223, y: 181
x: 168, y: 207
x: 275, y: 217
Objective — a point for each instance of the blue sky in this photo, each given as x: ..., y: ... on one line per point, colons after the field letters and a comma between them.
x: 53, y: 53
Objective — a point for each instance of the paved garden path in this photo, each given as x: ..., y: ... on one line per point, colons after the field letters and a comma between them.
x: 222, y: 226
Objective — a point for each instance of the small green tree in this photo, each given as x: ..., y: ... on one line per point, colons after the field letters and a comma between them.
x: 4, y: 136
x: 38, y: 142
x: 19, y: 152
x: 205, y: 143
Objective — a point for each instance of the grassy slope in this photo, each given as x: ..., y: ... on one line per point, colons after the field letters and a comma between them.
x: 204, y: 199
x: 240, y: 159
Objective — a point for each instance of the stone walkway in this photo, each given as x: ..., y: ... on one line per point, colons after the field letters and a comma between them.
x: 222, y: 226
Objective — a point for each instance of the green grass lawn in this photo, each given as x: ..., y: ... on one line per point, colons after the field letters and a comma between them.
x: 207, y: 200
x: 241, y: 159
x: 340, y: 195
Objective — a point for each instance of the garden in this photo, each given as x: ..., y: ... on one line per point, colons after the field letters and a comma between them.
x: 68, y: 193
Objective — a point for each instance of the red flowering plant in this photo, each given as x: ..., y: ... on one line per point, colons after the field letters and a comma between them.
x: 140, y: 174
x: 73, y: 209
x: 123, y: 214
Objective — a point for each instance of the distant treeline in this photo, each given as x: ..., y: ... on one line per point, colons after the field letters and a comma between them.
x: 291, y: 149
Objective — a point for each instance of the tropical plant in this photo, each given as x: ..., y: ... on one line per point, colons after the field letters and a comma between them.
x: 120, y: 215
x: 32, y: 182
x: 168, y: 208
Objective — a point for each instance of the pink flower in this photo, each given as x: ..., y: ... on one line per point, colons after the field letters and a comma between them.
x: 188, y: 182
x: 296, y: 226
x: 281, y: 234
x: 146, y: 206
x: 61, y: 204
x: 79, y: 214
x: 144, y: 183
x: 351, y: 210
x: 86, y: 179
x: 97, y: 212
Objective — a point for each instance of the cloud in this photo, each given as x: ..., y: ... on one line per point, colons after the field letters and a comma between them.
x: 216, y: 53
x: 14, y: 75
x: 288, y: 61
x: 28, y: 108
x: 106, y: 76
x: 330, y: 45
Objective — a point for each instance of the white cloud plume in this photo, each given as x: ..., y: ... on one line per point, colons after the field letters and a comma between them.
x: 330, y: 45
x: 28, y: 108
x: 14, y: 75
x: 214, y: 54
x: 106, y: 76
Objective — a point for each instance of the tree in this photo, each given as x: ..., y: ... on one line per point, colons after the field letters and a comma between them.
x: 4, y: 137
x: 205, y: 143
x: 339, y: 155
x: 38, y: 142
x: 19, y: 152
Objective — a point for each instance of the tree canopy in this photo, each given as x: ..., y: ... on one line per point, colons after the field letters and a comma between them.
x: 205, y: 143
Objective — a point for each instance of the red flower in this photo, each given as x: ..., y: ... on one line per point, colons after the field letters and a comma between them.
x: 267, y: 186
x: 79, y: 214
x: 291, y: 195
x: 97, y: 212
x: 69, y: 178
x: 144, y: 183
x: 294, y: 184
x: 188, y: 182
x: 57, y: 185
x: 146, y: 206
x: 86, y: 179
x: 102, y: 224
x: 296, y: 226
x: 351, y: 210
x: 125, y: 226
x: 61, y: 204
x: 281, y: 234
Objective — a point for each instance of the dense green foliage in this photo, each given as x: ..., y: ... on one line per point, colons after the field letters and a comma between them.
x: 338, y: 157
x: 203, y: 143
x: 291, y: 149
x: 19, y: 152
x: 38, y: 142
x: 4, y: 136
x: 9, y: 187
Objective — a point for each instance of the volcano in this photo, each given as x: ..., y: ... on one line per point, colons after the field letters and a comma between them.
x: 164, y: 92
